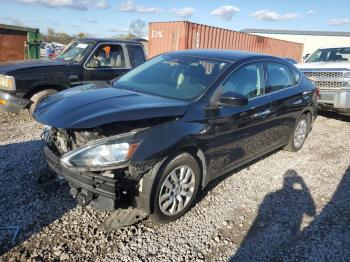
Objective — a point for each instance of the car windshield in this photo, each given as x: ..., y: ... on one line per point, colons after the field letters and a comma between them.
x: 75, y: 51
x: 175, y: 77
x: 330, y: 55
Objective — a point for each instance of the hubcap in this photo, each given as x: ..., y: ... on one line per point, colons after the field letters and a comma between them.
x: 177, y: 190
x: 300, y: 133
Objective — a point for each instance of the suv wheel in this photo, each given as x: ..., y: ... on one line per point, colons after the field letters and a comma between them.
x: 38, y: 97
x: 177, y: 188
x: 299, y: 134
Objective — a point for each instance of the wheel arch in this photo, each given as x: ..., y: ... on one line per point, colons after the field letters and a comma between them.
x: 144, y: 200
x: 199, y: 156
x: 42, y: 87
x: 308, y: 114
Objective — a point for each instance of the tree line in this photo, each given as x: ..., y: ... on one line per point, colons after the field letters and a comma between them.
x: 136, y: 29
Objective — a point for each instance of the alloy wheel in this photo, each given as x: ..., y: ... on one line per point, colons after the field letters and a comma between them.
x: 300, y: 133
x: 177, y: 190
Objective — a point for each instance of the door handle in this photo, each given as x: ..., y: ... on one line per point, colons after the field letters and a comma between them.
x: 262, y: 113
x: 73, y: 78
x: 307, y: 93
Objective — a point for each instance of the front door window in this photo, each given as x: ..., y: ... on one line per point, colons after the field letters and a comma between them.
x: 107, y: 56
x: 248, y: 80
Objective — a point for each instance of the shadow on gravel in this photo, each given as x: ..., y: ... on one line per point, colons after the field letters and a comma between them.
x: 329, y: 114
x: 276, y: 236
x: 278, y: 222
x: 215, y: 182
x: 327, y: 238
x: 28, y: 201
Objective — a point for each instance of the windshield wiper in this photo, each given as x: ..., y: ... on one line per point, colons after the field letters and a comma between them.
x: 112, y: 81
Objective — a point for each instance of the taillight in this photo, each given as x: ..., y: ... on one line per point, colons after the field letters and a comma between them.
x: 317, y: 92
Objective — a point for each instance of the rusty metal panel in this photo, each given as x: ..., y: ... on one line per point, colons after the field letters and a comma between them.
x: 171, y: 36
x: 167, y: 36
x: 12, y: 45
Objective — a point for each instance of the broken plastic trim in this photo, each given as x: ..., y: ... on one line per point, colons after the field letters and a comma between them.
x: 124, y: 217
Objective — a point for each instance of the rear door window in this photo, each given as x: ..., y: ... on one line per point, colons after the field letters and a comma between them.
x: 280, y: 77
x: 137, y: 55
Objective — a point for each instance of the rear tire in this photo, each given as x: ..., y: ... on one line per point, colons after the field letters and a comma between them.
x: 177, y: 186
x: 299, y: 134
x: 38, y: 97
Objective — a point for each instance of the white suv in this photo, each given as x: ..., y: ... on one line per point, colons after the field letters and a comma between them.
x: 329, y: 68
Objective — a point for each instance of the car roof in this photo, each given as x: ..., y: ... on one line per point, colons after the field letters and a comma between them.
x: 334, y: 46
x: 100, y: 40
x: 221, y: 54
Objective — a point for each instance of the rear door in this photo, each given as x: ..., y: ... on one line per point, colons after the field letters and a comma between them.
x: 107, y: 61
x: 287, y: 99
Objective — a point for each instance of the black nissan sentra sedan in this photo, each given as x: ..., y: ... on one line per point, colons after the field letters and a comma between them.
x: 150, y: 141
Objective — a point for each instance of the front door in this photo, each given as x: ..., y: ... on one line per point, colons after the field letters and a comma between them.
x: 243, y: 133
x: 107, y: 62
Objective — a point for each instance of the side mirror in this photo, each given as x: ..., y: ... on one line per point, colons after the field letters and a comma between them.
x: 306, y: 57
x: 233, y: 99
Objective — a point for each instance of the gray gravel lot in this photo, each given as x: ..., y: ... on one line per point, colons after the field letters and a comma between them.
x: 286, y: 206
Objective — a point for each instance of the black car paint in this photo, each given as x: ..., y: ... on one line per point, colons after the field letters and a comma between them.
x: 32, y: 76
x: 91, y: 106
x: 220, y: 138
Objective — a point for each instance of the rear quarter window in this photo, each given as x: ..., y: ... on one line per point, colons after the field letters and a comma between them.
x: 137, y: 55
x: 281, y: 76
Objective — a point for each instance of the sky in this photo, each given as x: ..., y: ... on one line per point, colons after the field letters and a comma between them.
x: 103, y: 18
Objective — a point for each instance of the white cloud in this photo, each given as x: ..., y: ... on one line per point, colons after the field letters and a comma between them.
x: 74, y: 4
x: 130, y: 7
x: 102, y: 4
x: 92, y: 21
x: 225, y: 12
x: 310, y: 12
x: 340, y: 21
x: 273, y: 16
x: 186, y: 12
x: 12, y: 20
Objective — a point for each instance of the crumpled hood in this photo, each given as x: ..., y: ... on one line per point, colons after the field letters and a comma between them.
x: 7, y: 67
x: 88, y: 106
x: 324, y: 65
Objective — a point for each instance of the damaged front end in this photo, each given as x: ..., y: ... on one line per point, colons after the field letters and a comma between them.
x: 83, y: 159
x: 96, y: 163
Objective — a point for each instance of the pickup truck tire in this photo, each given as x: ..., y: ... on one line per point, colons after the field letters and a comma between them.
x: 298, y: 135
x: 177, y: 185
x: 38, y: 97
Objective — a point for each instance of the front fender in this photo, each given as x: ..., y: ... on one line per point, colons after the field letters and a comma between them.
x: 167, y: 139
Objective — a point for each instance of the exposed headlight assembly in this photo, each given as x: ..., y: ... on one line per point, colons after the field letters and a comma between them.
x: 346, y: 80
x: 7, y: 83
x: 102, y: 153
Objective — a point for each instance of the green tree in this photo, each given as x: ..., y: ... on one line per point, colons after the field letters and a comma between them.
x: 81, y: 35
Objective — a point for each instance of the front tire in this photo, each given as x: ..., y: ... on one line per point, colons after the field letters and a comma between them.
x: 38, y: 97
x: 176, y: 188
x: 298, y: 135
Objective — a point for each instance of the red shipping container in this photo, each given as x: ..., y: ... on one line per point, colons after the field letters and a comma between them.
x: 182, y: 35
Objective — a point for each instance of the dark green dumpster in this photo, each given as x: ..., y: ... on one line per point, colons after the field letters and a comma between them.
x: 18, y: 43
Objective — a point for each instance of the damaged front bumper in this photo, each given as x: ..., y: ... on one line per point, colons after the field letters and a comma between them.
x: 90, y: 188
x: 123, y: 196
x: 12, y: 103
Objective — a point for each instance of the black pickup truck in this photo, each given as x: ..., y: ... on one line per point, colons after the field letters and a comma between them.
x: 23, y: 84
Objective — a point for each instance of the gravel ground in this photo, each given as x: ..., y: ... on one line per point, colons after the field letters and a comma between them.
x: 286, y: 206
